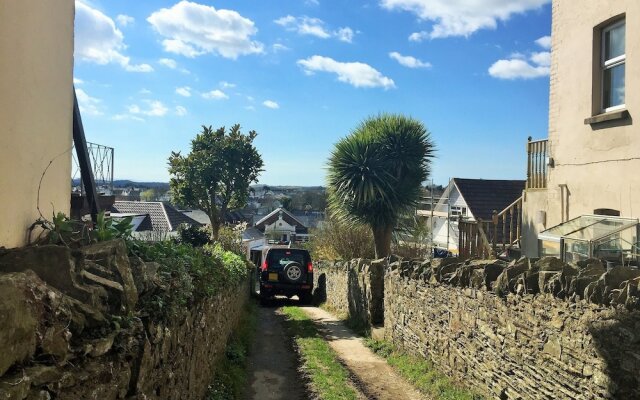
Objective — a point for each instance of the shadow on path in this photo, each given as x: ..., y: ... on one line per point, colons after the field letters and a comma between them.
x: 272, y: 363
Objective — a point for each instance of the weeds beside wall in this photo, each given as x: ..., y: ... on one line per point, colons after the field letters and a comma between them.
x: 481, y: 324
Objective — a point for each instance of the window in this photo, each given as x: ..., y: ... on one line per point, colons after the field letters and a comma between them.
x: 458, y: 211
x: 613, y: 66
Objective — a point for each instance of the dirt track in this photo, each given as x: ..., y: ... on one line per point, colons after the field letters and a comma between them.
x: 273, y: 364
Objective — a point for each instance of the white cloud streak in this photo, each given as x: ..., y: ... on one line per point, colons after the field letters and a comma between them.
x: 357, y: 74
x: 191, y: 29
x: 409, y: 61
x: 125, y: 20
x: 184, y: 91
x: 155, y: 109
x: 271, y: 104
x: 215, y: 94
x: 461, y: 17
x: 88, y: 105
x: 314, y: 27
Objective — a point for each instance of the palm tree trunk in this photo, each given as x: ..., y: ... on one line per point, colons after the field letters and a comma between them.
x: 382, y: 237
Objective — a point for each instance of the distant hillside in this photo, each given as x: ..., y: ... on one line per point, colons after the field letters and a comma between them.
x: 128, y: 183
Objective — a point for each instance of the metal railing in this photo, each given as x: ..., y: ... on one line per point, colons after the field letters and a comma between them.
x: 101, y: 158
x: 537, y: 153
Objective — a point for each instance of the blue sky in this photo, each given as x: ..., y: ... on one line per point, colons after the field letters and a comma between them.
x: 303, y: 73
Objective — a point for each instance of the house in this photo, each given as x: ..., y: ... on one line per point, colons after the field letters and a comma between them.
x: 469, y: 200
x: 36, y: 103
x: 582, y: 181
x: 151, y: 216
x: 282, y: 226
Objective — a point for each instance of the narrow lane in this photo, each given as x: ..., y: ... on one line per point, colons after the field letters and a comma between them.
x: 272, y: 364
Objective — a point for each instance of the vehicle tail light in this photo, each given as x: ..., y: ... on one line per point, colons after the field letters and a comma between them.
x: 310, y: 267
x: 265, y: 266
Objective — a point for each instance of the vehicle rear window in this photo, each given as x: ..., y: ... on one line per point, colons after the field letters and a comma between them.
x: 281, y: 257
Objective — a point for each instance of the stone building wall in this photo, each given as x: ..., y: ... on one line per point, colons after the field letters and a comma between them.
x: 73, y: 328
x: 525, y: 330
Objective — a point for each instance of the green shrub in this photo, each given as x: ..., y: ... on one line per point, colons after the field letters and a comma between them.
x: 196, y: 236
x: 187, y: 274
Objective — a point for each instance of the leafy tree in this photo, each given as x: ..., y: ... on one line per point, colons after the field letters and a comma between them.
x: 216, y: 174
x: 286, y: 203
x: 149, y: 195
x: 375, y: 174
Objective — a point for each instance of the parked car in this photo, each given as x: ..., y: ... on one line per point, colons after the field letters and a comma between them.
x: 287, y: 272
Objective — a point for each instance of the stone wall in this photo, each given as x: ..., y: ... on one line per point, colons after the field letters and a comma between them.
x: 72, y: 328
x: 353, y: 289
x: 525, y: 330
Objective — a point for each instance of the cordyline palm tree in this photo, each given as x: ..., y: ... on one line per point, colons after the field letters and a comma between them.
x: 375, y: 174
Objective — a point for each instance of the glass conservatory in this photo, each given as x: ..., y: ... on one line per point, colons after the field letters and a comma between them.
x: 611, y: 239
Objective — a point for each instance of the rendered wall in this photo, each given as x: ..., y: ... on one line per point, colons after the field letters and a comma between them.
x: 36, y: 80
x: 597, y: 163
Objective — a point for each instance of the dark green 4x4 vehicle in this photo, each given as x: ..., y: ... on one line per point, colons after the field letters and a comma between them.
x: 286, y: 272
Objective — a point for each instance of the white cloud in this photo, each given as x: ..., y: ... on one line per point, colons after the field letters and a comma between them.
x: 122, y: 117
x: 77, y: 81
x: 517, y: 69
x: 461, y: 17
x: 215, y: 94
x: 125, y: 20
x: 139, y: 68
x: 250, y: 108
x: 544, y: 42
x: 418, y: 36
x: 155, y: 109
x: 312, y: 2
x: 354, y: 73
x: 408, y: 61
x: 144, y: 91
x: 88, y: 105
x: 98, y: 40
x: 227, y: 85
x: 184, y: 91
x: 542, y: 58
x: 168, y: 62
x: 314, y: 27
x: 193, y: 29
x: 279, y: 47
x: 517, y: 66
x: 345, y: 34
x: 271, y: 104
x: 181, y: 111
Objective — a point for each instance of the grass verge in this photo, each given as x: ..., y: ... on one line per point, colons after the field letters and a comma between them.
x: 356, y: 326
x: 231, y: 377
x: 421, y: 373
x: 329, y: 380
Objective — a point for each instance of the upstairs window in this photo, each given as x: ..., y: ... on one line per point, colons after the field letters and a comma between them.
x: 613, y: 66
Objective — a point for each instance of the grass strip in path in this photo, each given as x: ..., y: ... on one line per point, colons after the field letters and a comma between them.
x: 421, y: 373
x: 230, y: 380
x: 329, y: 379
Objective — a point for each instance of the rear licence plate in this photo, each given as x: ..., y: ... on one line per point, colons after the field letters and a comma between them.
x: 273, y: 277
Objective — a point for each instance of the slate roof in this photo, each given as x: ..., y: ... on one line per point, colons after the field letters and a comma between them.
x: 483, y: 196
x: 163, y: 217
x: 286, y: 216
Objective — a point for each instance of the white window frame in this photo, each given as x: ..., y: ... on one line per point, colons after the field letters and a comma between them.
x: 609, y: 64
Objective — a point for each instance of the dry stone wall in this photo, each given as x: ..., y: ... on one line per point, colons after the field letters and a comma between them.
x: 526, y: 330
x: 69, y: 328
x: 353, y: 289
